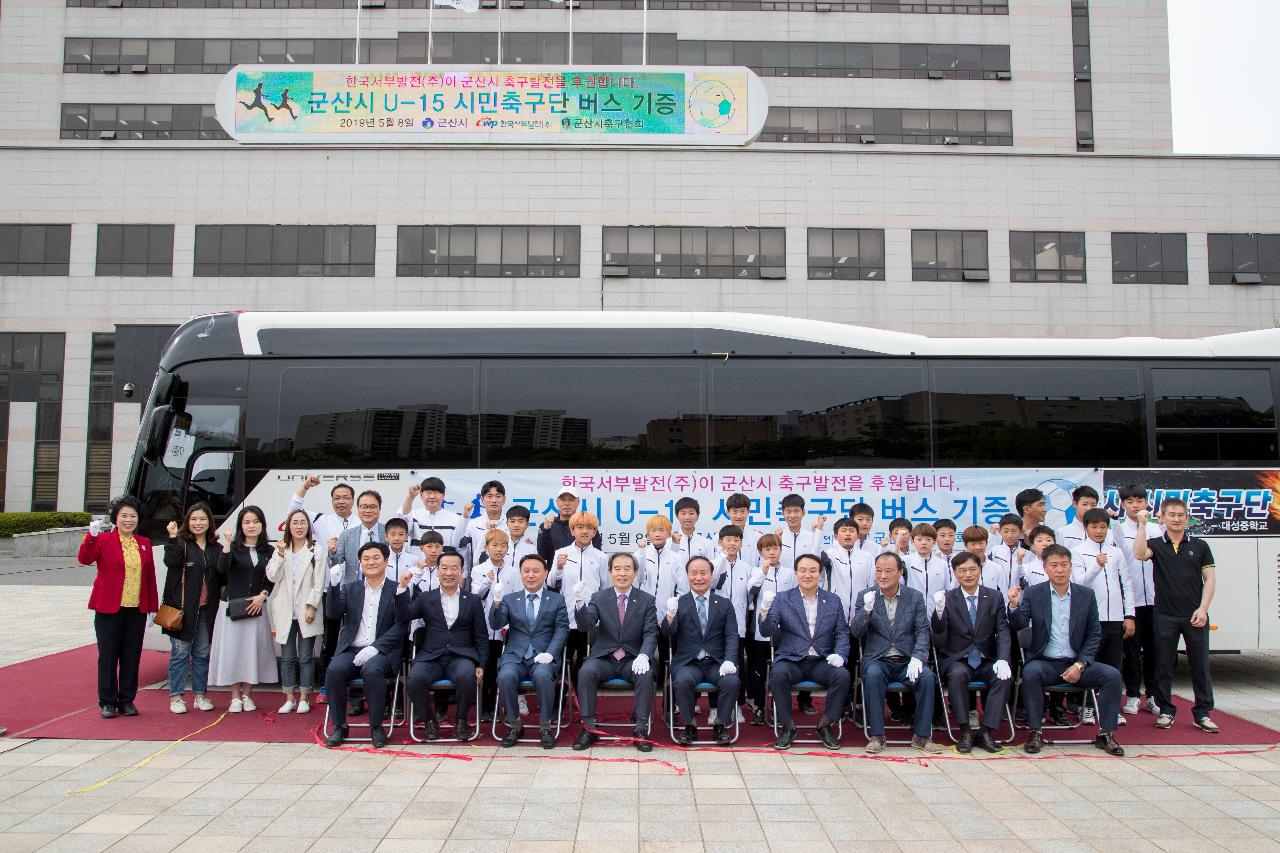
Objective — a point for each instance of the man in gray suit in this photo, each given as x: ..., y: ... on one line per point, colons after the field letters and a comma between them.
x: 892, y: 618
x: 622, y: 625
x: 537, y: 626
x: 346, y: 550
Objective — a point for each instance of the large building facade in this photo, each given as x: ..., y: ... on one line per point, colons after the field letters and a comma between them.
x: 945, y: 167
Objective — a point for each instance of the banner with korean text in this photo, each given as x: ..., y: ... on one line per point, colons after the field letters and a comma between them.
x: 1220, y: 501
x: 525, y: 104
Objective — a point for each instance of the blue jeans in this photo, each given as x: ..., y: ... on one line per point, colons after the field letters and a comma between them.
x: 297, y: 652
x: 876, y: 677
x: 192, y: 657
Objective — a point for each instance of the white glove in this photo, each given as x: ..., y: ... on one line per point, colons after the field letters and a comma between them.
x: 766, y: 600
x: 728, y: 668
x: 95, y: 527
x: 914, y: 669
x: 1002, y: 671
x: 578, y: 589
x: 496, y: 590
x: 835, y: 660
x: 673, y: 604
x: 939, y: 601
x: 543, y: 657
x: 335, y: 575
x: 869, y: 601
x: 365, y: 655
x: 640, y: 665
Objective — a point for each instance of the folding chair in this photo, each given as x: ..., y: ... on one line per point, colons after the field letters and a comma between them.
x: 973, y: 686
x: 391, y: 724
x: 1086, y: 695
x: 526, y: 688
x: 711, y: 691
x: 900, y: 687
x: 811, y: 687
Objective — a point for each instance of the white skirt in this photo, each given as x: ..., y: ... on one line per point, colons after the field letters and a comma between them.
x: 242, y: 650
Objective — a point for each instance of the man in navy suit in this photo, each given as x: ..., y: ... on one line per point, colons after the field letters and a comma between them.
x: 1065, y: 635
x: 811, y: 643
x: 455, y: 634
x: 703, y: 628
x: 892, y: 618
x: 537, y: 624
x: 369, y: 643
x: 971, y: 634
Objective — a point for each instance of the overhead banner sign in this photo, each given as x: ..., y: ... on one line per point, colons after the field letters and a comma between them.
x: 1220, y: 501
x: 618, y: 105
x: 625, y: 500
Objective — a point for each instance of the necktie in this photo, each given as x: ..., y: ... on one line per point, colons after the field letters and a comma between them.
x: 702, y: 621
x: 975, y: 657
x: 530, y: 604
x: 368, y: 535
x: 619, y: 654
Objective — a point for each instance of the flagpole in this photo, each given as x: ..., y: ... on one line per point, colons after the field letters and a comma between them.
x: 357, y: 32
x: 644, y: 38
x: 499, y: 32
x: 431, y: 20
x: 570, y: 4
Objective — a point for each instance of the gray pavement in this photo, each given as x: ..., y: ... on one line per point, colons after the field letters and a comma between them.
x: 266, y: 797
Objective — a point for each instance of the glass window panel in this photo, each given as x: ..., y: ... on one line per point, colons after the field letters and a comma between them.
x: 999, y: 122
x: 489, y: 245
x: 515, y: 245
x: 949, y: 249
x: 820, y: 246
x: 1213, y: 398
x: 924, y: 248
x: 975, y: 250
x: 615, y: 245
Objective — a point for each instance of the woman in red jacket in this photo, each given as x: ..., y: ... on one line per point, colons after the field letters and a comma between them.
x: 124, y: 592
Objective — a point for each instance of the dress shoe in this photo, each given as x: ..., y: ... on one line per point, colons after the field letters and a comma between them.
x: 1057, y: 715
x: 641, y: 736
x: 463, y: 731
x: 548, y: 738
x: 721, y: 735
x: 687, y: 735
x: 431, y: 731
x: 827, y: 732
x: 964, y: 743
x: 338, y: 736
x: 585, y: 740
x: 806, y: 707
x: 126, y: 709
x: 1106, y: 741
x: 512, y: 737
x: 1035, y: 742
x: 757, y: 717
x: 786, y: 737
x: 355, y: 708
x: 379, y: 737
x: 108, y: 712
x: 986, y: 742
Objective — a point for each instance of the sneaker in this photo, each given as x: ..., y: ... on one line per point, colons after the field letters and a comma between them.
x: 303, y: 707
x: 177, y: 706
x: 287, y: 707
x: 1121, y: 721
x: 236, y: 706
x: 524, y: 707
x: 925, y: 745
x: 713, y: 717
x: 1130, y: 705
x: 1206, y: 724
x: 1152, y: 707
x: 875, y: 745
x: 249, y: 704
x: 1088, y: 718
x: 1164, y: 721
x: 202, y: 703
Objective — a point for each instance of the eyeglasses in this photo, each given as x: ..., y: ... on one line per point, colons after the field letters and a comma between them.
x: 369, y: 506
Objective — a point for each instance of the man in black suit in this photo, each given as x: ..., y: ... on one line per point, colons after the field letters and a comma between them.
x: 369, y: 642
x: 622, y: 625
x: 1065, y: 635
x: 971, y: 634
x: 703, y: 628
x: 455, y: 634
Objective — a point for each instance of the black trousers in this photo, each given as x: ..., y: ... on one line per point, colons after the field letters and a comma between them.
x: 1167, y: 630
x: 575, y: 650
x: 1045, y: 672
x: 489, y: 691
x: 377, y: 674
x: 1139, y: 666
x: 957, y: 678
x: 332, y: 627
x: 787, y: 673
x: 758, y: 654
x: 423, y: 673
x: 119, y: 652
x: 684, y: 682
x: 1111, y: 649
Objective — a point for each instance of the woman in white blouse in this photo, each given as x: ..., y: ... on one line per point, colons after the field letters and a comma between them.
x: 297, y: 569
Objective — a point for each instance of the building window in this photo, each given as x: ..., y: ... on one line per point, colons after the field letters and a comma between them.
x: 488, y: 251
x: 949, y: 256
x: 930, y: 7
x: 842, y: 125
x: 140, y: 121
x: 135, y: 250
x: 1083, y: 74
x: 1244, y: 258
x: 670, y: 252
x: 35, y: 249
x: 847, y: 254
x: 1046, y: 255
x: 284, y: 250
x: 1214, y: 415
x: 1149, y: 258
x: 97, y: 475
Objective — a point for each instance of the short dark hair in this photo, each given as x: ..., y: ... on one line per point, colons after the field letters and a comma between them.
x: 813, y: 557
x: 453, y: 552
x: 432, y: 484
x: 541, y: 562
x: 494, y: 484
x: 369, y: 493
x: 396, y: 522
x: 695, y: 558
x: 518, y: 511
x: 962, y: 557
x: 902, y: 566
x: 431, y: 537
x: 1083, y: 492
x: 862, y: 509
x: 1133, y: 490
x: 944, y: 524
x: 1173, y: 500
x: 380, y: 547
x: 134, y: 504
x: 842, y: 524
x: 975, y: 533
x: 346, y: 486
x: 1041, y: 530
x: 730, y: 530
x: 616, y: 554
x: 688, y: 503
x: 737, y: 500
x: 1010, y: 518
x: 1055, y: 550
x: 926, y: 530
x: 899, y: 523
x: 792, y: 500
x: 1095, y: 516
x: 1025, y: 498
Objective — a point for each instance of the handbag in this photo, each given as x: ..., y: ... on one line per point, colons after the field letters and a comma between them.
x: 238, y: 608
x: 170, y: 618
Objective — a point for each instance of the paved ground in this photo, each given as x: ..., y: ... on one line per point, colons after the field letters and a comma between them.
x: 238, y: 796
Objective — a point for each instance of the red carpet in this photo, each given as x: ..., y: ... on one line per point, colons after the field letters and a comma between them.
x: 54, y: 697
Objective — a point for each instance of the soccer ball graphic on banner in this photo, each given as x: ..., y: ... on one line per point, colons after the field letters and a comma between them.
x: 711, y: 104
x: 1057, y: 500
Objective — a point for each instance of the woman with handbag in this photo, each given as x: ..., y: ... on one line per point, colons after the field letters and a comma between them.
x: 297, y: 569
x: 124, y: 592
x: 241, y: 654
x: 188, y: 603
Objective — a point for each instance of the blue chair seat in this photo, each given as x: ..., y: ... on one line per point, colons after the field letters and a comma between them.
x: 706, y: 685
x: 616, y: 682
x: 807, y: 686
x: 442, y: 684
x: 977, y: 685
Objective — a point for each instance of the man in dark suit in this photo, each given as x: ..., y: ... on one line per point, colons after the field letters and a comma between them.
x: 622, y: 625
x: 892, y: 618
x: 537, y: 626
x: 971, y: 634
x: 455, y: 633
x: 811, y: 643
x: 703, y: 628
x: 346, y: 552
x: 369, y: 642
x: 1065, y: 635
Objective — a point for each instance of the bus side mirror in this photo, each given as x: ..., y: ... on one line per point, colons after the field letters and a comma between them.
x: 157, y: 432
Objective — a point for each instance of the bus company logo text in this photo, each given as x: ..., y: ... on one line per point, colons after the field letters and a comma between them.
x: 355, y: 476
